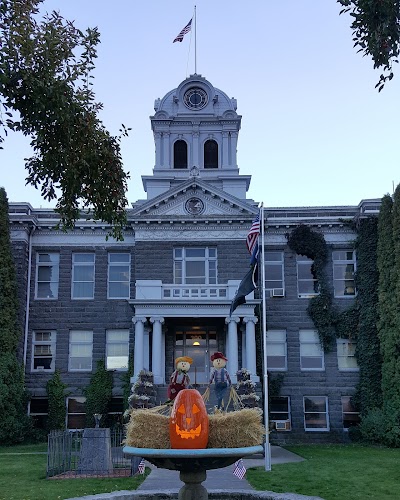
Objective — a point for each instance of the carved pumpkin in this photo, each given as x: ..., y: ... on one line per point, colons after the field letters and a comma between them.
x: 188, y: 424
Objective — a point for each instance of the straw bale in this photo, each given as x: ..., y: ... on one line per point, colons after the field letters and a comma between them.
x: 236, y: 429
x: 148, y: 429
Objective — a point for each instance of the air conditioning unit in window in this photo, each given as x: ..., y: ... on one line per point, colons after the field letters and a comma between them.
x: 278, y: 292
x: 282, y: 425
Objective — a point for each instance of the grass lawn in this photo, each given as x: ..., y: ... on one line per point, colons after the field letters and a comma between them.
x: 23, y: 477
x: 335, y: 472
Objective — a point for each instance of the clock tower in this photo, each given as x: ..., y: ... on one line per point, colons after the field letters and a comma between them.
x: 196, y: 129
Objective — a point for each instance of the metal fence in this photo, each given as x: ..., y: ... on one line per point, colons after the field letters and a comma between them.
x: 88, y: 453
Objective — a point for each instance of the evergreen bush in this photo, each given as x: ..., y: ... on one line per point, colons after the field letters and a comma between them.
x: 55, y: 389
x: 98, y: 394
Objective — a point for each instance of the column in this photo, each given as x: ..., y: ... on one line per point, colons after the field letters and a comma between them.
x: 157, y: 136
x: 250, y: 323
x: 138, y: 358
x: 157, y: 349
x: 232, y: 353
x: 166, y: 161
x: 225, y: 149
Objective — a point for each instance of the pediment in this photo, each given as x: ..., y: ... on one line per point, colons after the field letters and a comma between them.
x: 197, y: 199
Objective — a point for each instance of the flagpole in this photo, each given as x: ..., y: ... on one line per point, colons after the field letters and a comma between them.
x: 267, y: 447
x: 195, y: 41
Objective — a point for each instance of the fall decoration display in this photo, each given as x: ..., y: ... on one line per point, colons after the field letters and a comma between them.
x: 188, y: 424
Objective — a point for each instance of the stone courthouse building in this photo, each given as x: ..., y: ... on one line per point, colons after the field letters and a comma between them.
x: 166, y: 290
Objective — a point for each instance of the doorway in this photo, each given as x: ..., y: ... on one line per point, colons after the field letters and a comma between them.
x: 197, y: 343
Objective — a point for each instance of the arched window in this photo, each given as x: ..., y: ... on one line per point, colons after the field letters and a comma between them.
x: 211, y: 154
x: 180, y: 154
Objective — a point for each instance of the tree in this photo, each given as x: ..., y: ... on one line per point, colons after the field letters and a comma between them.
x: 46, y: 93
x: 98, y: 393
x: 376, y: 32
x: 55, y: 389
x: 13, y: 398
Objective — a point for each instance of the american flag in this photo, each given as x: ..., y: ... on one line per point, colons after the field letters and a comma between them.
x: 141, y: 467
x: 252, y: 237
x: 185, y: 30
x: 240, y: 469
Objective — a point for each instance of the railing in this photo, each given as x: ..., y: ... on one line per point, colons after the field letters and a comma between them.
x: 195, y: 291
x: 70, y: 454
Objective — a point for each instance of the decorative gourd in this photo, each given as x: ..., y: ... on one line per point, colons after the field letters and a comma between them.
x: 188, y: 424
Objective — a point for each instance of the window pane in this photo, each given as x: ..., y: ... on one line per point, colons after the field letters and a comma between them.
x: 120, y: 290
x: 81, y: 336
x: 308, y: 336
x: 279, y: 404
x: 315, y: 404
x: 83, y: 257
x: 304, y: 272
x: 316, y: 421
x: 118, y: 336
x: 276, y: 335
x: 273, y: 272
x: 274, y: 256
x: 83, y: 273
x: 76, y: 405
x: 81, y: 363
x: 276, y: 362
x: 119, y: 257
x: 276, y: 349
x: 83, y: 290
x: 308, y: 362
x: 195, y: 252
x: 212, y: 252
x: 119, y: 273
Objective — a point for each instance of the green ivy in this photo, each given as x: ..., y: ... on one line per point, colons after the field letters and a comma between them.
x: 369, y: 393
x: 55, y: 389
x: 15, y: 424
x: 304, y: 241
x: 98, y: 394
x: 126, y: 383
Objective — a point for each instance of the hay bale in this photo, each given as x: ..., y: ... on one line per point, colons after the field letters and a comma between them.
x: 148, y: 429
x: 236, y: 429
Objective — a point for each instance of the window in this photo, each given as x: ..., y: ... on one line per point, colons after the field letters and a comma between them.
x: 276, y: 350
x: 274, y: 273
x: 351, y: 416
x: 346, y: 355
x: 119, y: 272
x: 76, y: 413
x: 316, y: 413
x: 279, y: 412
x: 116, y: 413
x: 83, y: 276
x: 306, y: 281
x: 311, y: 353
x: 117, y: 349
x: 195, y: 266
x: 80, y: 350
x: 210, y: 154
x: 47, y: 275
x: 180, y: 154
x: 39, y: 410
x: 344, y: 264
x: 43, y: 351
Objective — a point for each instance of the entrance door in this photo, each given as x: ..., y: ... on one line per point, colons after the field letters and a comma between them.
x: 197, y: 344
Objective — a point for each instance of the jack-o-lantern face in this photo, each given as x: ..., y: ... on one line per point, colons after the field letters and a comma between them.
x: 188, y: 425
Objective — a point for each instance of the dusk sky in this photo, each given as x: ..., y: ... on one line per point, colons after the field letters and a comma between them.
x: 315, y: 131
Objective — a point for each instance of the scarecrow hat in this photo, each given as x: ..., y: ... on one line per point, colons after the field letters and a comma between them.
x: 183, y: 358
x: 218, y: 355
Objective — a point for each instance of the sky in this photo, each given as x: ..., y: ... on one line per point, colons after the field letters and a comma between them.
x: 315, y: 131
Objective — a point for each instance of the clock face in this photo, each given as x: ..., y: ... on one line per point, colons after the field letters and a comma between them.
x: 194, y: 206
x: 195, y: 98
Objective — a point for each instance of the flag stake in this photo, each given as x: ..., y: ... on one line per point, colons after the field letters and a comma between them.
x: 267, y: 447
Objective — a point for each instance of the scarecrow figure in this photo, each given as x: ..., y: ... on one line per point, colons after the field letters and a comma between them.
x: 179, y: 379
x: 220, y: 376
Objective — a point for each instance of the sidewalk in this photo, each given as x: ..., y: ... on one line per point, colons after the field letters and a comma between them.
x: 217, y: 479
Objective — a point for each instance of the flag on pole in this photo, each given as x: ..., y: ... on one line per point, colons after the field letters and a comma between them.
x: 254, y: 233
x: 185, y: 30
x: 240, y: 469
x: 247, y: 285
x: 249, y: 282
x: 141, y: 466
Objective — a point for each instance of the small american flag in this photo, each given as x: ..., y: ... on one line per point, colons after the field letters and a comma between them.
x: 185, y: 30
x: 240, y: 469
x: 253, y: 235
x: 141, y: 467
